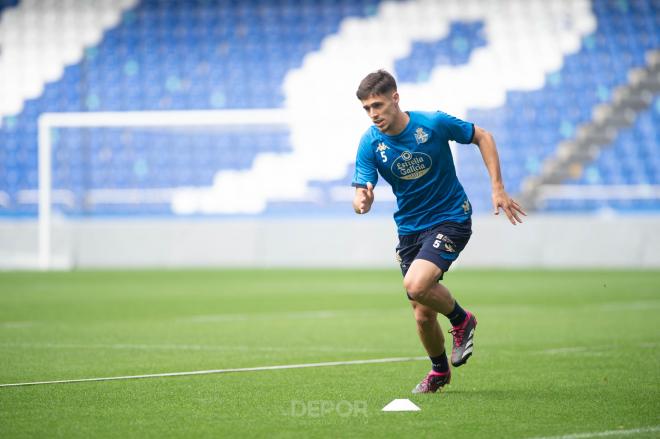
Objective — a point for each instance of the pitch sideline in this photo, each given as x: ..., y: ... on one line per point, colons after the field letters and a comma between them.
x: 217, y: 371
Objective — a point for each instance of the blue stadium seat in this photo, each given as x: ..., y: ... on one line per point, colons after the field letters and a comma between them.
x: 4, y: 4
x: 206, y: 54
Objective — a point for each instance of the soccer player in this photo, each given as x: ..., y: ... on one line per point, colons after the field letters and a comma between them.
x: 410, y: 150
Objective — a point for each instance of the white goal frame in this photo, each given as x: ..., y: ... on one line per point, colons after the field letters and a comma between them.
x: 118, y: 119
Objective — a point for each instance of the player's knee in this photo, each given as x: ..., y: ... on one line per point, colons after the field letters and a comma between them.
x: 416, y: 289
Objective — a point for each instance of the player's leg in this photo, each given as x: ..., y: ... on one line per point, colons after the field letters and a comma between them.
x: 431, y: 337
x: 439, y: 249
x: 428, y: 329
x: 421, y: 283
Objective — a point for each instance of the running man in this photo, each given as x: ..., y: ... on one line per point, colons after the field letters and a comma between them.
x: 410, y: 151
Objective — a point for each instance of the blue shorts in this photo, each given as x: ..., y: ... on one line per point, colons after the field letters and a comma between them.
x: 440, y: 244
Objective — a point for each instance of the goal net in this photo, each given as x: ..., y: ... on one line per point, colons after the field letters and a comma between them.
x: 133, y: 163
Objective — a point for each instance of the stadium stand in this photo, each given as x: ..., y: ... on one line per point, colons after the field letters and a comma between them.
x: 7, y: 4
x: 453, y: 50
x: 216, y: 55
x: 631, y: 161
x: 532, y: 124
x: 630, y: 101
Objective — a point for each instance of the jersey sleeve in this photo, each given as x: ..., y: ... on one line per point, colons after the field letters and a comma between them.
x: 365, y: 165
x: 457, y: 129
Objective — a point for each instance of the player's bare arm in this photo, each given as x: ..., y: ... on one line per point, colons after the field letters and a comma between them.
x: 486, y: 143
x: 364, y: 198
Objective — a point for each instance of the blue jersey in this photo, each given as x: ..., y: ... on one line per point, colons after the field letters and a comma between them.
x: 418, y: 164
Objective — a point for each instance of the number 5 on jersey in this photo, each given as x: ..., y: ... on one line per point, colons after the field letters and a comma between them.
x: 382, y: 148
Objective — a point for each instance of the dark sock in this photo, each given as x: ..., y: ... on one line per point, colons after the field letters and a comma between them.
x: 457, y: 316
x: 440, y: 363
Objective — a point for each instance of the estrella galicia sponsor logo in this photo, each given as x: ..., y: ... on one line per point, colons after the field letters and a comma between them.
x: 411, y: 165
x: 421, y: 136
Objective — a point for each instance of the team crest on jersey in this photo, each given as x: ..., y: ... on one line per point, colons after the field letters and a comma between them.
x: 421, y: 136
x: 411, y: 165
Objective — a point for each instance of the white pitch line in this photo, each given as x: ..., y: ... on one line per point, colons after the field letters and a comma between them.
x: 605, y: 433
x: 208, y: 372
x: 167, y: 347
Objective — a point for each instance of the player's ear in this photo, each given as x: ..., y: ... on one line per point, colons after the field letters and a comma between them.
x: 395, y: 97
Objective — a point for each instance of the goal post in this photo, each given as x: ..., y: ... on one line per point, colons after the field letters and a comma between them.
x: 47, y: 122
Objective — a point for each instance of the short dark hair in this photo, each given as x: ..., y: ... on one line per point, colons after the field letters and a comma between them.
x: 376, y: 83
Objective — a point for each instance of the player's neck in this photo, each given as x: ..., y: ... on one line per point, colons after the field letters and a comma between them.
x: 400, y: 123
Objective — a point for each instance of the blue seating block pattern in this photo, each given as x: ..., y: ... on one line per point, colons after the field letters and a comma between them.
x: 224, y: 54
x: 530, y: 125
x: 170, y: 55
x: 4, y: 4
x: 455, y: 49
x: 633, y: 159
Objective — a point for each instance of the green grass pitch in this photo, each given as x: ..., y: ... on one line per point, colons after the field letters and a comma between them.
x: 556, y: 353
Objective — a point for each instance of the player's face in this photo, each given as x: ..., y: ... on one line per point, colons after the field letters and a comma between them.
x: 382, y: 110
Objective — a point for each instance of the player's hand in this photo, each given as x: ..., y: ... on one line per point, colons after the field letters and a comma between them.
x: 512, y: 209
x: 364, y: 198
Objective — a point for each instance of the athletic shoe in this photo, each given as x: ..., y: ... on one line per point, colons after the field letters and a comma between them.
x: 433, y: 382
x: 463, y: 335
